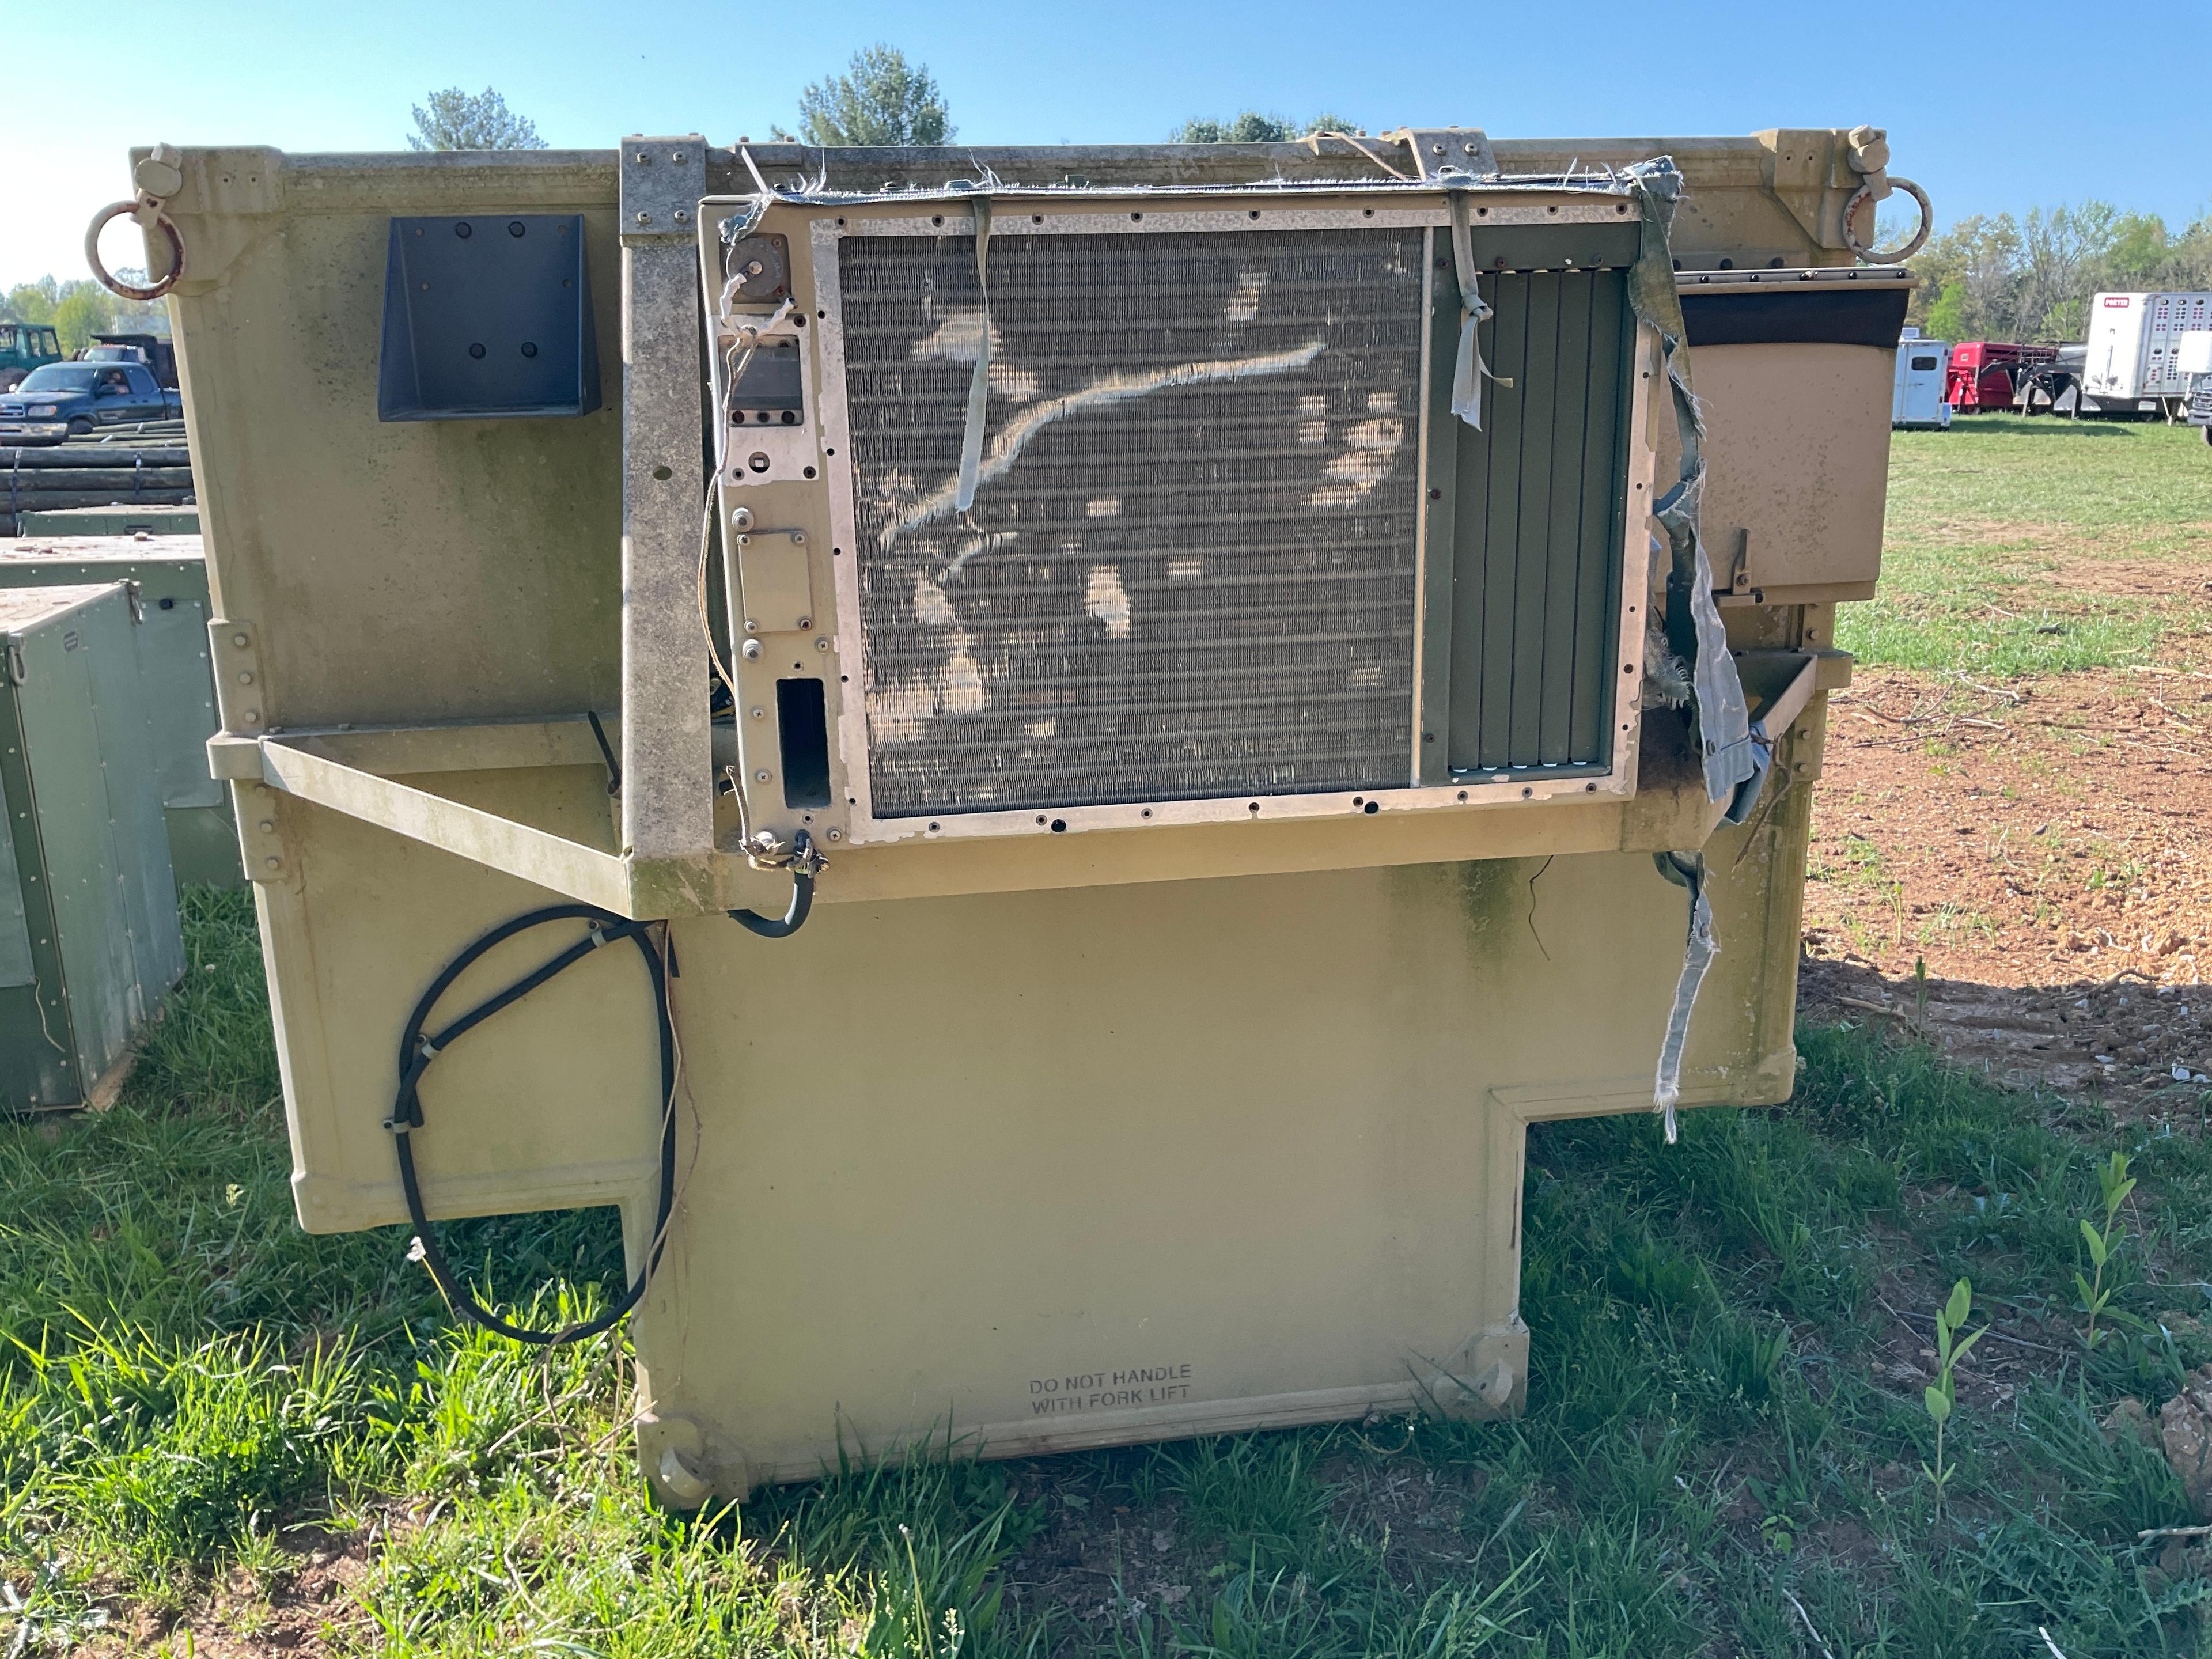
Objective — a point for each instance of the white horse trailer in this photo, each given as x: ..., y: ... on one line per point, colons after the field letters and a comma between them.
x: 1922, y: 368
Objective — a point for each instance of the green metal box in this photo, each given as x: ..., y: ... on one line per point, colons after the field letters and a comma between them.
x: 169, y: 578
x: 122, y: 519
x: 89, y: 943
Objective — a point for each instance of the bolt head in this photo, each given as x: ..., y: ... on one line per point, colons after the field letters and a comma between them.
x: 644, y: 218
x: 241, y: 641
x: 752, y: 651
x: 268, y: 826
x: 273, y: 864
x: 246, y: 678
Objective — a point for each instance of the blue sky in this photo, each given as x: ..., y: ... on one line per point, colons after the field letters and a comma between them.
x: 1972, y: 94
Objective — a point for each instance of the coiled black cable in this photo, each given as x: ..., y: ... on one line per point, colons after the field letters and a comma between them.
x: 415, y: 1054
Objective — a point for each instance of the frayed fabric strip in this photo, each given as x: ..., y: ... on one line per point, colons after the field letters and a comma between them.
x: 1468, y: 369
x: 1694, y: 621
x: 1699, y: 950
x: 979, y: 389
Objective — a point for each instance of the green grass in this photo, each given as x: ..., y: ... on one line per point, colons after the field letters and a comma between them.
x: 193, y: 1393
x: 1990, y: 525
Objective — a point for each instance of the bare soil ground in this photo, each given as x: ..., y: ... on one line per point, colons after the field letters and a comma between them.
x: 2040, y: 850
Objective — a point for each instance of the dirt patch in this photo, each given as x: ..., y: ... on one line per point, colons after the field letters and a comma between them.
x: 2022, y: 872
x: 303, y: 1608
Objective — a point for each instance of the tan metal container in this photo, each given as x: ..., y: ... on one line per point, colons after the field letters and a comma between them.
x: 1078, y: 1133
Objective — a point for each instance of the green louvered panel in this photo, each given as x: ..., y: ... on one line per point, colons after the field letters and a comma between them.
x: 1535, y: 505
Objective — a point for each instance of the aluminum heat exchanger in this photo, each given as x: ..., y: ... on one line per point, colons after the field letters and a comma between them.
x: 1229, y: 552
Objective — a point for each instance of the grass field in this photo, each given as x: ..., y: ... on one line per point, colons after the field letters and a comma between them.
x: 2019, y: 546
x: 221, y: 1435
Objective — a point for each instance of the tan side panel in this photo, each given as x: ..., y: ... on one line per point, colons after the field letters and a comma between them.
x: 452, y: 567
x: 550, y: 1103
x: 1794, y: 434
x: 1103, y: 1164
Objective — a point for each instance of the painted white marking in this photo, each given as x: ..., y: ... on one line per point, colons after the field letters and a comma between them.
x: 1244, y: 303
x: 1104, y: 597
x: 1370, y: 453
x: 931, y: 608
x: 1111, y: 389
x: 974, y: 545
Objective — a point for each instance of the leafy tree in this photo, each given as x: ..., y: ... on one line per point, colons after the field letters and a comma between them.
x: 881, y: 99
x: 1254, y: 127
x: 454, y: 119
x: 2032, y: 279
x: 80, y: 308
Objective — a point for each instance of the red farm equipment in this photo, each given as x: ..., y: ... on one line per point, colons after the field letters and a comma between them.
x: 1983, y: 373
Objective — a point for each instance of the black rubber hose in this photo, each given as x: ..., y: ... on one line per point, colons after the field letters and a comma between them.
x: 416, y: 1054
x: 802, y: 897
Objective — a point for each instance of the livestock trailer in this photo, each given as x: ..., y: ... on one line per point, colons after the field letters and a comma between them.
x: 2132, y: 364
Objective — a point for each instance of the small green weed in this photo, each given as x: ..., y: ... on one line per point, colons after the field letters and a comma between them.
x: 2114, y: 1184
x: 1941, y: 1395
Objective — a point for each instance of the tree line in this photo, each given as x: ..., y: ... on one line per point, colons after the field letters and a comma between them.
x: 2032, y: 279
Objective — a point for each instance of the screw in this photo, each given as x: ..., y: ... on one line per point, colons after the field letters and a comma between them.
x: 835, y: 834
x: 761, y: 776
x: 752, y: 651
x: 644, y: 218
x: 752, y: 626
x: 821, y: 645
x: 760, y: 714
x: 682, y: 214
x: 798, y: 539
x: 806, y: 623
x: 675, y: 154
x: 742, y: 519
x: 643, y: 157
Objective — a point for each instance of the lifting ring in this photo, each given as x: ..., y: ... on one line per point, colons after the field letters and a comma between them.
x: 116, y: 211
x: 1865, y: 193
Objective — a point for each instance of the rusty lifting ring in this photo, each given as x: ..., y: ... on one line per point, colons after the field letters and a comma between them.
x: 158, y: 178
x: 1869, y: 256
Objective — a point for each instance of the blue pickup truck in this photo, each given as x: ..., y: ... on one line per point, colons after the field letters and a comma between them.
x: 64, y: 400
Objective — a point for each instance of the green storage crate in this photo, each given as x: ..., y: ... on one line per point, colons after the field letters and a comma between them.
x: 89, y: 943
x: 170, y: 579
x: 123, y: 519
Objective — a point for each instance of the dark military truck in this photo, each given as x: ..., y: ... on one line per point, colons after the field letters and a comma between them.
x: 24, y: 347
x: 64, y: 400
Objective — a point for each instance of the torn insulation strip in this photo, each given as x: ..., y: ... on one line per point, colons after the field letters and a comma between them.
x: 1467, y: 368
x: 979, y: 389
x: 1699, y: 950
x: 1694, y: 621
